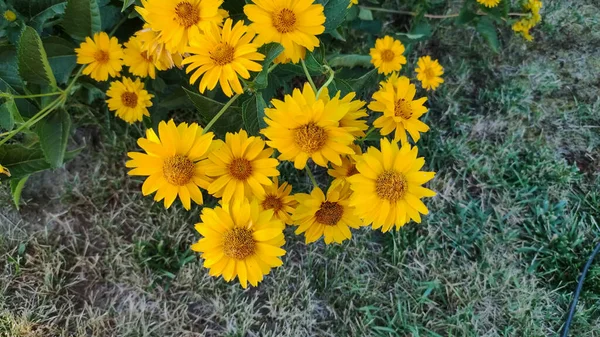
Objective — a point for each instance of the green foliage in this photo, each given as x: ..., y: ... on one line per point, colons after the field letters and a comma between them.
x: 335, y: 12
x: 22, y: 161
x: 253, y: 114
x: 16, y: 188
x: 207, y: 109
x: 486, y: 28
x: 53, y: 132
x: 33, y: 62
x: 82, y: 18
x: 271, y: 51
x: 61, y: 57
x: 9, y: 114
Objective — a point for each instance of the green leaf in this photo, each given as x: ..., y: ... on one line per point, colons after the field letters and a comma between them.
x: 9, y: 70
x: 16, y: 187
x: 343, y: 86
x: 32, y: 59
x: 61, y: 56
x: 22, y: 161
x: 109, y: 15
x: 230, y: 121
x: 82, y: 18
x: 8, y: 114
x: 420, y: 31
x: 31, y: 8
x: 250, y: 115
x: 37, y: 22
x: 362, y: 83
x: 126, y: 4
x: 314, y: 61
x: 365, y: 14
x: 261, y: 105
x: 486, y: 28
x: 53, y: 132
x: 465, y: 15
x: 271, y: 51
x: 335, y: 12
x: 351, y: 60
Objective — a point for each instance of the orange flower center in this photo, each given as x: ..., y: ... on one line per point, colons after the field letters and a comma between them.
x: 222, y: 54
x: 391, y: 186
x: 101, y: 56
x: 387, y: 55
x: 178, y: 170
x: 240, y: 168
x: 238, y: 243
x: 272, y: 202
x: 187, y: 14
x: 330, y: 213
x: 129, y: 99
x: 403, y: 109
x: 310, y: 137
x: 284, y: 21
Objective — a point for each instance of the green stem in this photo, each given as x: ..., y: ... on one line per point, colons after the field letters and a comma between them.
x: 220, y: 113
x: 33, y: 120
x: 312, y: 84
x: 367, y: 134
x: 311, y: 176
x: 272, y: 67
x: 329, y: 80
x: 430, y: 16
x: 30, y: 96
x: 123, y: 19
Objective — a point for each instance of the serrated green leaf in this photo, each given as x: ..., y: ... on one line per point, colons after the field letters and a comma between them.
x: 271, y: 51
x: 250, y: 116
x: 32, y: 59
x: 61, y: 56
x: 16, y: 188
x: 82, y: 18
x: 343, y: 86
x: 420, y: 31
x: 486, y: 28
x: 53, y: 132
x: 312, y: 63
x: 466, y: 14
x: 261, y: 105
x: 9, y: 114
x: 31, y: 8
x: 37, y: 22
x: 22, y: 161
x: 230, y: 121
x: 351, y: 60
x: 109, y: 16
x: 335, y: 12
x: 361, y: 83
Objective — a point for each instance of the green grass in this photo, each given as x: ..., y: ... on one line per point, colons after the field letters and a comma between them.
x: 514, y: 139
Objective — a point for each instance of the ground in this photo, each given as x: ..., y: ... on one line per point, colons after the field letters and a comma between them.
x: 515, y: 141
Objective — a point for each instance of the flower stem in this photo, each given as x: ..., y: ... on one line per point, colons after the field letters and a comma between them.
x: 311, y: 176
x: 312, y: 84
x: 367, y: 134
x: 430, y: 16
x: 2, y: 94
x: 33, y: 120
x: 220, y: 113
x: 329, y: 80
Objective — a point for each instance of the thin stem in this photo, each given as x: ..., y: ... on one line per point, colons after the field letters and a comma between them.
x: 272, y: 67
x: 367, y: 134
x: 220, y: 113
x: 33, y: 120
x: 123, y: 19
x: 430, y: 16
x: 311, y: 176
x: 329, y: 80
x: 312, y: 84
x: 30, y: 96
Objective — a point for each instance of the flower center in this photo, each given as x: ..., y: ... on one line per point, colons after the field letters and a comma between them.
x: 101, y: 56
x: 387, y: 55
x: 178, y: 170
x: 403, y: 109
x: 391, y: 186
x: 284, y: 21
x: 310, y: 137
x: 187, y: 14
x: 238, y: 243
x: 351, y: 171
x: 222, y: 54
x: 240, y: 168
x: 330, y: 213
x: 129, y: 99
x: 272, y: 202
x: 429, y: 73
x: 146, y: 57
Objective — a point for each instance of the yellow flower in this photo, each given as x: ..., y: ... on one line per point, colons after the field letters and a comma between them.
x: 222, y: 55
x: 489, y: 3
x: 157, y: 51
x: 387, y: 189
x: 241, y: 166
x: 277, y: 197
x: 172, y: 162
x: 5, y: 171
x: 348, y: 167
x: 351, y: 120
x: 528, y: 22
x: 177, y: 21
x: 240, y: 240
x: 129, y: 100
x: 139, y: 61
x: 10, y: 16
x: 352, y: 2
x: 331, y: 216
x: 387, y: 55
x: 102, y: 55
x: 302, y: 127
x: 294, y: 24
x: 400, y: 112
x: 429, y: 72
x: 284, y: 58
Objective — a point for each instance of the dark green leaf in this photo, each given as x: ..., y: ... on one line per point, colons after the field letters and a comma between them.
x: 312, y: 62
x: 343, y: 86
x: 32, y: 59
x: 350, y: 60
x: 361, y: 83
x: 250, y: 116
x: 335, y: 12
x: 53, y: 132
x: 16, y: 187
x: 9, y: 114
x: 261, y: 105
x: 61, y: 56
x: 82, y: 18
x: 230, y: 121
x: 22, y: 161
x: 420, y: 31
x: 38, y: 21
x: 365, y: 14
x: 486, y: 28
x: 271, y: 51
x: 31, y: 8
x: 466, y: 14
x: 109, y: 17
x: 126, y: 4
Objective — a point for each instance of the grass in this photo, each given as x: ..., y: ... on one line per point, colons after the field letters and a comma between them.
x: 514, y: 139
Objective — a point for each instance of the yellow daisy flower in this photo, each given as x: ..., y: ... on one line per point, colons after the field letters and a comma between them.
x: 348, y: 167
x: 240, y: 240
x: 222, y: 55
x: 9, y: 15
x: 241, y: 167
x: 352, y: 2
x: 352, y: 119
x: 172, y: 162
x: 387, y: 55
x: 277, y: 197
x: 526, y: 23
x: 5, y: 171
x: 429, y: 72
x: 284, y: 58
x: 294, y: 24
x: 177, y: 20
x: 157, y: 51
x: 489, y: 3
x: 400, y: 112
x: 387, y: 188
x: 331, y: 216
x: 102, y: 56
x: 138, y: 60
x: 129, y: 100
x: 302, y: 127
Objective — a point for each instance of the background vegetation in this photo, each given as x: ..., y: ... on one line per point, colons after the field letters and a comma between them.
x: 515, y: 141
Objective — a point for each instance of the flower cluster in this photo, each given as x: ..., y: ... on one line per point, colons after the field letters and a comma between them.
x: 526, y: 23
